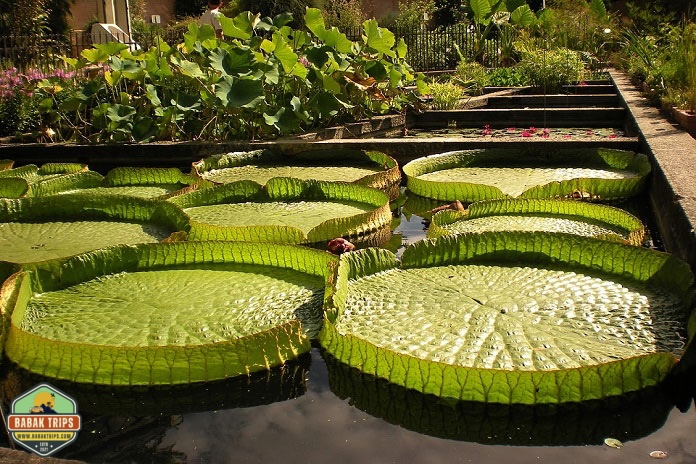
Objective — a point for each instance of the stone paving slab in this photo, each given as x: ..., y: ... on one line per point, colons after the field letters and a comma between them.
x: 10, y: 456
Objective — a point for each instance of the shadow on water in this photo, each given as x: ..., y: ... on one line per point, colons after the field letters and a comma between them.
x: 132, y: 421
x: 631, y: 416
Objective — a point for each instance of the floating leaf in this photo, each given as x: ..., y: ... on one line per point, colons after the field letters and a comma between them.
x: 472, y: 175
x: 568, y: 216
x: 613, y: 443
x: 495, y: 317
x: 285, y: 210
x: 369, y: 168
x: 134, y: 315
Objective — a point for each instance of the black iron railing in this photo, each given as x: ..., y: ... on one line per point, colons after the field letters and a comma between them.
x: 427, y: 50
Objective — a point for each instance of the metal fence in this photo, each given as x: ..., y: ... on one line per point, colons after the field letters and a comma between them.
x: 427, y: 50
x: 435, y: 50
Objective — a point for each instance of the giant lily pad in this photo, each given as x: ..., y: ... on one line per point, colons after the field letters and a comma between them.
x: 153, y: 183
x: 473, y: 175
x: 368, y: 168
x: 285, y: 210
x: 513, y: 317
x: 37, y: 229
x: 51, y: 178
x: 568, y: 216
x: 165, y: 313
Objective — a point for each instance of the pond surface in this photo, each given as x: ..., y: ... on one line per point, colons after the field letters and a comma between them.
x: 486, y: 132
x: 317, y: 411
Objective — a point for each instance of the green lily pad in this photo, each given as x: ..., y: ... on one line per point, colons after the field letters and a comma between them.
x: 473, y: 175
x: 59, y: 226
x: 153, y: 183
x: 368, y: 168
x: 512, y: 317
x: 51, y: 178
x: 285, y: 210
x: 531, y: 215
x: 134, y: 315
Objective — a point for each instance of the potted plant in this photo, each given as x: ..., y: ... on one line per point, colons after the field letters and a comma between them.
x: 684, y: 112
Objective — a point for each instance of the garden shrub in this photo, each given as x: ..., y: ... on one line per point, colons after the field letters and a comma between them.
x: 446, y: 95
x: 472, y: 76
x: 346, y: 15
x: 551, y: 69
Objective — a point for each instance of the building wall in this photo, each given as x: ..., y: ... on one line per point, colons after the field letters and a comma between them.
x: 380, y: 8
x: 84, y: 10
x: 163, y: 8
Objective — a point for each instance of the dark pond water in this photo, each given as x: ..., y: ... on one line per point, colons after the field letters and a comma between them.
x: 318, y: 411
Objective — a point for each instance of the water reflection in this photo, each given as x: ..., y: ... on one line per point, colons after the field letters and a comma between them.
x: 631, y: 416
x: 131, y: 422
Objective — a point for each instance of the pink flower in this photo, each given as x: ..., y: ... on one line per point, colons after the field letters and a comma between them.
x: 589, y: 132
x: 545, y: 133
x: 532, y: 130
x: 612, y: 136
x: 486, y: 130
x: 511, y: 129
x: 526, y: 134
x: 566, y: 136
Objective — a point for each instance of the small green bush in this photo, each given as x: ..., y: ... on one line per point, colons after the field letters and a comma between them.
x: 506, y: 77
x: 446, y: 95
x: 551, y: 69
x: 472, y: 76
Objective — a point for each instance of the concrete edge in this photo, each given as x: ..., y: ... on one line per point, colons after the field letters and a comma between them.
x: 672, y: 185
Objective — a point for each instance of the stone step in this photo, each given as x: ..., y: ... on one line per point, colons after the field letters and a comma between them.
x: 537, y: 117
x: 554, y: 101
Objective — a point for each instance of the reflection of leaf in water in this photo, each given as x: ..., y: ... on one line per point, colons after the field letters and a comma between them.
x: 631, y: 416
x: 259, y: 388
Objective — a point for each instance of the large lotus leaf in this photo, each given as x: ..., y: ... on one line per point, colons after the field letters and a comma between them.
x: 473, y: 175
x: 369, y: 168
x: 132, y: 315
x: 37, y: 229
x: 286, y: 210
x: 531, y: 215
x: 512, y: 317
x: 51, y: 178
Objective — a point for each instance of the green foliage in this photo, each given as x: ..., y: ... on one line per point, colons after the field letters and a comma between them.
x: 448, y: 12
x: 411, y: 13
x: 58, y: 12
x: 506, y: 77
x: 347, y: 15
x: 446, y: 95
x: 263, y: 80
x: 471, y: 75
x: 551, y: 69
x: 664, y: 62
x: 272, y: 8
